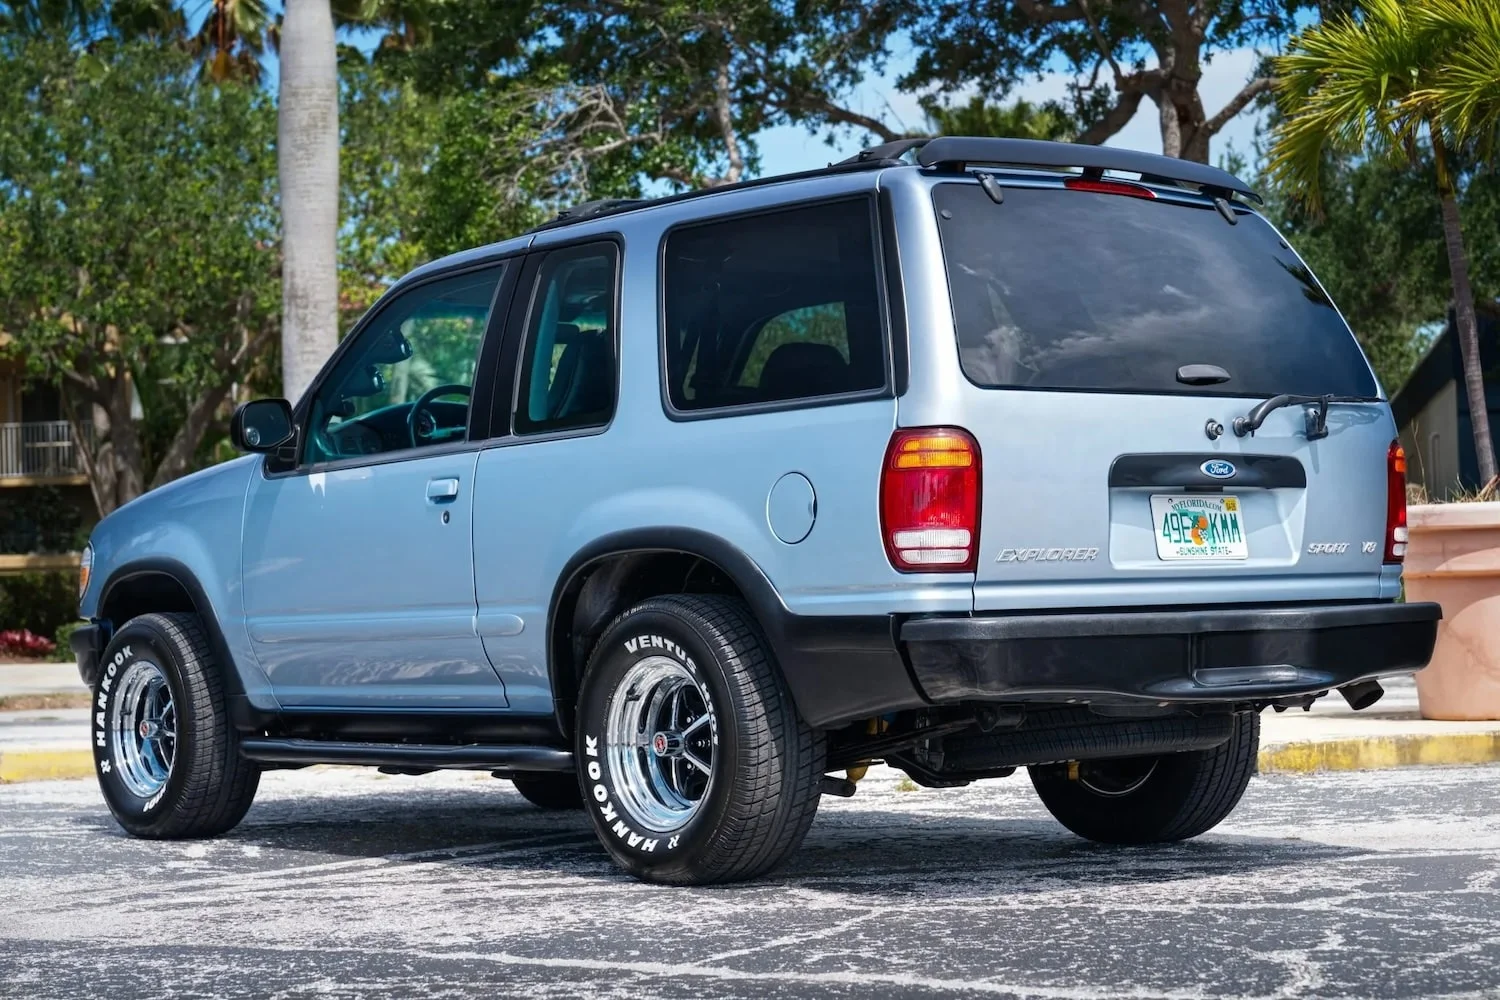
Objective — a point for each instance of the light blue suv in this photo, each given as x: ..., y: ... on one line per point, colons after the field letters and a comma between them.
x: 962, y: 455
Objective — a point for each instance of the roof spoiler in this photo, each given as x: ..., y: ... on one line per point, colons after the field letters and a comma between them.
x: 957, y: 153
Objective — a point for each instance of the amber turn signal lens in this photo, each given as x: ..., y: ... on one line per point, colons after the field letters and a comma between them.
x: 85, y: 567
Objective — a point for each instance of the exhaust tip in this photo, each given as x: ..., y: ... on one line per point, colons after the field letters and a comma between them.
x: 1362, y: 695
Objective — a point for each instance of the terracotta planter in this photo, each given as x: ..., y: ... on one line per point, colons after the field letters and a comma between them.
x: 1454, y: 559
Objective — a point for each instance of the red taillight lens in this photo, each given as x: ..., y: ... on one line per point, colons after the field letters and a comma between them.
x: 1108, y: 187
x: 1395, y: 503
x: 929, y: 500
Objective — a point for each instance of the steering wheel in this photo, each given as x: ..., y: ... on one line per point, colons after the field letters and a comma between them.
x: 420, y: 407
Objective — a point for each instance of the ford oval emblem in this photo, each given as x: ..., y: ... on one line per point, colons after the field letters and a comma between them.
x: 1218, y: 469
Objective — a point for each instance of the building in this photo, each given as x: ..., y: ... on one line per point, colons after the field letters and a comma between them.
x: 44, y: 493
x: 1432, y: 409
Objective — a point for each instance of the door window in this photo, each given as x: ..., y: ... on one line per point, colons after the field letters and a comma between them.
x: 406, y: 382
x: 568, y: 366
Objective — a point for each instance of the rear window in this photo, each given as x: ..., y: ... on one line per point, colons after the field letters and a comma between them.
x: 1059, y: 289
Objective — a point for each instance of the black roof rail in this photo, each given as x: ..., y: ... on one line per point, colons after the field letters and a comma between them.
x: 614, y: 206
x: 601, y: 206
x: 958, y: 152
x: 893, y: 150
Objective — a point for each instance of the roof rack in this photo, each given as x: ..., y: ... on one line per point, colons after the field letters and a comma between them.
x: 957, y: 153
x: 614, y: 206
x: 602, y: 206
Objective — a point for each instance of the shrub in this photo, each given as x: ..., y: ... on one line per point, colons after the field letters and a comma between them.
x: 41, y: 519
x: 38, y: 602
x: 63, y: 640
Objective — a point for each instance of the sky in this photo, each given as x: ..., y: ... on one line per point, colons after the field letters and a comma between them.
x: 789, y: 148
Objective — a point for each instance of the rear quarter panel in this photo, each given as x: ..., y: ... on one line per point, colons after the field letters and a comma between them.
x: 539, y: 502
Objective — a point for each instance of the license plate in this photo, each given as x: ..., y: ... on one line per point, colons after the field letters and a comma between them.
x: 1199, y: 527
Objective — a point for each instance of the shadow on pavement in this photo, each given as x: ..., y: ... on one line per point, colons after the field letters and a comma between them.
x: 885, y: 852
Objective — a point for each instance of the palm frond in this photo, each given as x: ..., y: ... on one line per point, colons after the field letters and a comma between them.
x: 1465, y: 88
x: 1351, y: 85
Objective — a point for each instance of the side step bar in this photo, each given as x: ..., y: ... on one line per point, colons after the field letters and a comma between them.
x: 471, y: 757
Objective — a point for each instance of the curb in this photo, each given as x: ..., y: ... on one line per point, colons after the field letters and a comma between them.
x: 44, y: 765
x: 1370, y: 753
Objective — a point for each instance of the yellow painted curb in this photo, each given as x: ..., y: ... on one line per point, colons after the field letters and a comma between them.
x: 44, y: 765
x: 1376, y: 752
x: 1360, y: 754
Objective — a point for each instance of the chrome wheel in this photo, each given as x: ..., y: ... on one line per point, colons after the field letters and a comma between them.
x: 1116, y: 778
x: 143, y: 722
x: 661, y: 739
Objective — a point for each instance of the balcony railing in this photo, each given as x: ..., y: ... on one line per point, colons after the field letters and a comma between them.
x: 44, y: 449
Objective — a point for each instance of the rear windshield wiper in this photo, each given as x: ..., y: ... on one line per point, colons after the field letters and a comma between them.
x: 1317, y: 412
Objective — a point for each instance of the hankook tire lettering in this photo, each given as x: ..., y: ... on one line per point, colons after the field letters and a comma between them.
x: 600, y: 791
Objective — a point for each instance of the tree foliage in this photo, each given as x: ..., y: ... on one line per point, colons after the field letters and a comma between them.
x: 1466, y: 85
x: 1372, y: 85
x: 606, y: 92
x: 1018, y: 120
x: 138, y: 253
x: 1119, y: 53
x: 422, y: 175
x: 85, y: 22
x: 1377, y: 244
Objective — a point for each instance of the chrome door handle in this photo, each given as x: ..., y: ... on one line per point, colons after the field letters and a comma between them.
x: 441, y: 490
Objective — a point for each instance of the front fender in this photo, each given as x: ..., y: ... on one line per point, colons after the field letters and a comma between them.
x: 188, y: 530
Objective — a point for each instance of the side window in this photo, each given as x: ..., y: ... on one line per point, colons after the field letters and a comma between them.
x: 779, y: 306
x: 406, y: 382
x: 568, y: 367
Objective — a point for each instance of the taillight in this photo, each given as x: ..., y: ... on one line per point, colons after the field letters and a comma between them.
x: 929, y: 500
x: 1108, y: 187
x: 1395, y: 503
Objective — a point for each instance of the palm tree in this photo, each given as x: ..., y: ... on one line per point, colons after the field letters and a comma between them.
x: 1467, y: 88
x: 308, y: 166
x: 405, y: 24
x: 84, y: 22
x: 1370, y: 84
x: 232, y: 39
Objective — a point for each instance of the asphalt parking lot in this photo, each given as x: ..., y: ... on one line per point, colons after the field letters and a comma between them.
x: 349, y: 883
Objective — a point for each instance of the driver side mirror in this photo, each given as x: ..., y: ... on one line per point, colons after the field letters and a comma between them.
x: 262, y: 425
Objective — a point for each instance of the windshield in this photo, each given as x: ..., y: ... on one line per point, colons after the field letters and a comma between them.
x: 1064, y: 289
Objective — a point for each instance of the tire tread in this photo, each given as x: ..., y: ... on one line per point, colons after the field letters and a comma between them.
x: 775, y: 789
x: 1190, y: 794
x: 219, y: 785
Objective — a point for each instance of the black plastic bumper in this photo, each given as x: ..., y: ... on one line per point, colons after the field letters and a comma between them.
x: 88, y: 642
x: 1208, y: 655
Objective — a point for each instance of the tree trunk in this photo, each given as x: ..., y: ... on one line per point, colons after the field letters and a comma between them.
x: 308, y: 166
x: 1463, y: 309
x: 95, y: 449
x: 125, y: 443
x: 177, y: 460
x: 1171, y: 127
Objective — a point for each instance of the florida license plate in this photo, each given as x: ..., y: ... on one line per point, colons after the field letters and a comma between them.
x: 1199, y: 527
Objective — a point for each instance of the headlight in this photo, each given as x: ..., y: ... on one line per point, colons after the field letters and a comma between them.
x: 85, y: 566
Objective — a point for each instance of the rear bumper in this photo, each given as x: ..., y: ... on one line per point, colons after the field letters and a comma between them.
x: 1230, y: 654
